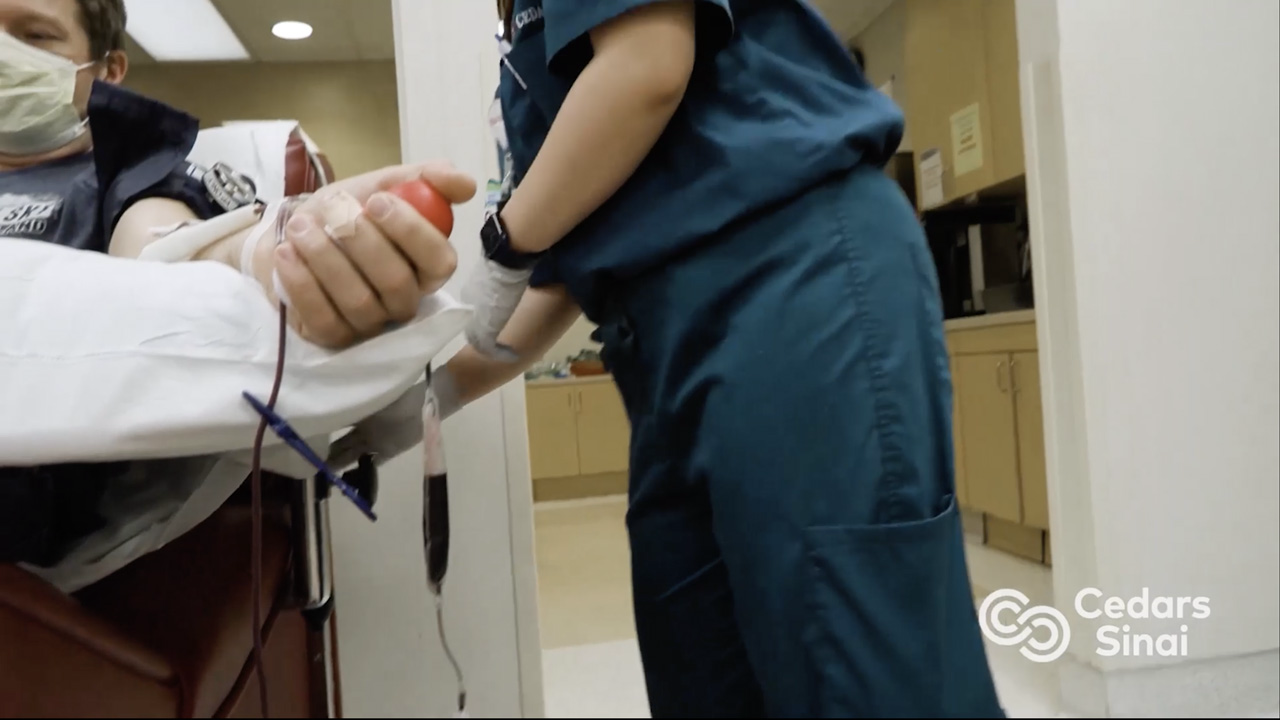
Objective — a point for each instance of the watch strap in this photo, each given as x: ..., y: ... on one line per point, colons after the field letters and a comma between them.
x: 496, y: 244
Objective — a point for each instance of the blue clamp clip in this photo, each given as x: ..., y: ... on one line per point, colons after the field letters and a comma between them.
x: 290, y: 436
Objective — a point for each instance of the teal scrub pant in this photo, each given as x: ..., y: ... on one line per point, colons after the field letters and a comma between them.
x: 796, y: 546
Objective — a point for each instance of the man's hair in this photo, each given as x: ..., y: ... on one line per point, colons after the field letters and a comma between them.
x: 104, y: 22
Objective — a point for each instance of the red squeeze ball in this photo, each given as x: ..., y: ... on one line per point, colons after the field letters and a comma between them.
x: 429, y: 203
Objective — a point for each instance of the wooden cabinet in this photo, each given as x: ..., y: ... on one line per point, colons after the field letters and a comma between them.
x: 999, y: 431
x: 553, y: 431
x: 962, y: 483
x: 960, y: 59
x: 988, y: 428
x: 578, y: 428
x: 1024, y: 374
x: 604, y: 434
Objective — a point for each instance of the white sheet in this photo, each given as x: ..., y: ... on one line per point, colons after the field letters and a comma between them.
x: 106, y: 359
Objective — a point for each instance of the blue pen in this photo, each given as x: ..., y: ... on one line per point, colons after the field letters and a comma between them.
x: 290, y: 436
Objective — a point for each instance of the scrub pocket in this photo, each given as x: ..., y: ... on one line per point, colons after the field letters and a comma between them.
x: 893, y: 631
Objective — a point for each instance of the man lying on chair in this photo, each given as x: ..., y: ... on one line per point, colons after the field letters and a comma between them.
x: 87, y: 164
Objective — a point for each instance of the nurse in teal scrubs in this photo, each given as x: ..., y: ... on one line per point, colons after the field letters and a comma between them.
x: 704, y: 180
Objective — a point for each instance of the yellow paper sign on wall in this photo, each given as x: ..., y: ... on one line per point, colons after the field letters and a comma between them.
x: 966, y: 140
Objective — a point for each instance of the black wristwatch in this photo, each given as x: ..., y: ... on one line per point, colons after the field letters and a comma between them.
x: 497, y: 245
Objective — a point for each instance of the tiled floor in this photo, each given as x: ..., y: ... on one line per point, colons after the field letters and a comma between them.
x: 584, y: 573
x: 591, y: 664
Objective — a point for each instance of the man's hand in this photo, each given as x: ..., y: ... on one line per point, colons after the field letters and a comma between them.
x: 384, y: 259
x: 345, y: 289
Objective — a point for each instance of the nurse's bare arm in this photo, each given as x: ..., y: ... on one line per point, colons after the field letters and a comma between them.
x: 543, y: 316
x: 612, y: 117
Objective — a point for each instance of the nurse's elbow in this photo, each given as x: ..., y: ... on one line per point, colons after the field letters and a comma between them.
x: 669, y: 65
x: 658, y: 85
x: 668, y: 88
x: 652, y: 50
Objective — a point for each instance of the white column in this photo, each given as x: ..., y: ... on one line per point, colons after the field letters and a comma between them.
x: 1152, y: 151
x: 392, y: 664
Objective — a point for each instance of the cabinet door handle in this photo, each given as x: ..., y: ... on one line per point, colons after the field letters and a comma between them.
x: 569, y: 397
x: 1000, y: 380
x: 1013, y: 375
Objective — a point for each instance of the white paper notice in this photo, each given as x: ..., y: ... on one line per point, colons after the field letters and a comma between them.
x: 931, y: 178
x: 966, y: 140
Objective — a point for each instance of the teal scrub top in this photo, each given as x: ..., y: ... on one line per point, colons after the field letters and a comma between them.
x: 775, y: 106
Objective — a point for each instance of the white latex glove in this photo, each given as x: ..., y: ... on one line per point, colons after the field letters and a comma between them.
x: 493, y: 291
x: 446, y: 391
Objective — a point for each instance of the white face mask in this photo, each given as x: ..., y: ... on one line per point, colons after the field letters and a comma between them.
x: 37, y: 99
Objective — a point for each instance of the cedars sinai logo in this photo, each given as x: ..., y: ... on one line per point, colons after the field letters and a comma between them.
x: 1118, y: 637
x: 1042, y: 633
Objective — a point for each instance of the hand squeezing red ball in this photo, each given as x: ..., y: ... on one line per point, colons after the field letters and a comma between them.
x: 348, y: 267
x: 429, y: 203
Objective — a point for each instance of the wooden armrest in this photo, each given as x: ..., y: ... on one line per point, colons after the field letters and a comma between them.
x: 25, y: 598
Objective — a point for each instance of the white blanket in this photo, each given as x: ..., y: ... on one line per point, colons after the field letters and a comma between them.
x: 105, y: 359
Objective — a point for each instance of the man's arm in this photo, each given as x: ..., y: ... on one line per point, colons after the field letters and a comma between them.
x: 543, y: 316
x: 133, y: 232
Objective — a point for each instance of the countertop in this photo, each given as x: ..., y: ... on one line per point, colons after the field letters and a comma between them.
x: 554, y: 382
x: 1013, y: 317
x: 968, y: 323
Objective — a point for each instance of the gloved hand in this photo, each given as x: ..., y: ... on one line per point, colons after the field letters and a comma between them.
x: 494, y: 291
x: 386, y: 434
x: 399, y: 426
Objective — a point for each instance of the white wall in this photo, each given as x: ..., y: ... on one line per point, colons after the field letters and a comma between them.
x: 1152, y: 152
x: 883, y: 43
x: 392, y: 664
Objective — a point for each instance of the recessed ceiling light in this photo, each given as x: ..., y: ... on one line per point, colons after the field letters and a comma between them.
x: 291, y: 30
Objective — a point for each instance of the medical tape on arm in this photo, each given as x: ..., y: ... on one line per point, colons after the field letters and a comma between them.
x: 274, y: 218
x: 339, y: 213
x: 183, y: 241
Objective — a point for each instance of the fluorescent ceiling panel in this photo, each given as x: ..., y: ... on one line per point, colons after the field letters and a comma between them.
x: 183, y: 31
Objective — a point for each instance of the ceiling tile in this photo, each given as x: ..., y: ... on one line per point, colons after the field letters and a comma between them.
x: 350, y: 30
x: 332, y: 38
x: 850, y: 17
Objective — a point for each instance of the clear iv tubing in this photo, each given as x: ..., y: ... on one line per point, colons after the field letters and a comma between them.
x: 457, y: 669
x: 435, y: 526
